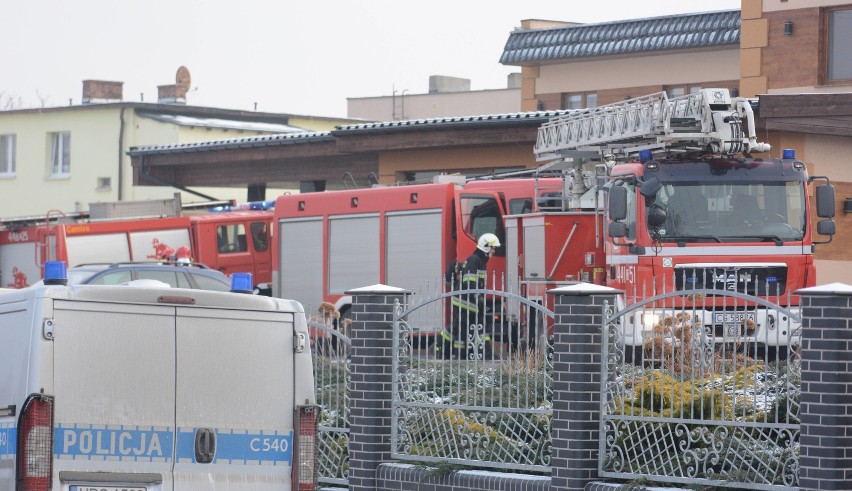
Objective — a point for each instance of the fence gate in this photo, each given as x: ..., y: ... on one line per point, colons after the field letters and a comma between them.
x: 330, y: 347
x: 478, y: 392
x: 709, y: 396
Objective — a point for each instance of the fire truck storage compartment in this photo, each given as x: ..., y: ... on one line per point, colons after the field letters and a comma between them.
x: 300, y: 258
x: 413, y: 248
x: 353, y: 252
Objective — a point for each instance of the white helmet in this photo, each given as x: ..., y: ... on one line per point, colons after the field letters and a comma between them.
x: 487, y: 242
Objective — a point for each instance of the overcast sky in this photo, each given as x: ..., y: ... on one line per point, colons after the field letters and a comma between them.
x: 299, y: 57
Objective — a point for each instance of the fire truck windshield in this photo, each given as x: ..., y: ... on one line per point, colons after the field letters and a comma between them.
x: 725, y: 211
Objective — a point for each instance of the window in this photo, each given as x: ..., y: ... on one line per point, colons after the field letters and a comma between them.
x: 259, y: 236
x: 579, y: 100
x: 7, y: 155
x: 839, y: 43
x: 60, y: 154
x: 231, y: 238
x: 682, y: 90
x: 482, y: 214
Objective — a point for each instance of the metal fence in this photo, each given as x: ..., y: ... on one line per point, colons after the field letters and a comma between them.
x: 711, y: 396
x: 330, y: 345
x: 479, y: 392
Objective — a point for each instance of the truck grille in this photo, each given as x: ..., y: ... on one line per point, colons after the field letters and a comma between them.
x: 750, y: 279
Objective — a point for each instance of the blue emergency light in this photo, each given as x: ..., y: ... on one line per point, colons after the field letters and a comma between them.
x: 645, y: 155
x: 242, y: 283
x: 55, y: 273
x: 788, y: 153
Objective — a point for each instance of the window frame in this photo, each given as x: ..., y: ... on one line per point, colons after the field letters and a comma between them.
x: 584, y: 99
x: 8, y: 155
x: 825, y: 45
x: 60, y: 155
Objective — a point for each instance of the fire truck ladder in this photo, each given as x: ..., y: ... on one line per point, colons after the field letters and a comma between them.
x: 706, y: 121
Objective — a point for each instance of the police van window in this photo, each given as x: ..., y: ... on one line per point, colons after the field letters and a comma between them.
x: 231, y: 238
x: 481, y: 214
x: 259, y: 236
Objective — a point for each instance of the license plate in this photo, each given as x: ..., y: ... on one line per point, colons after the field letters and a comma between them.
x: 91, y: 487
x: 732, y: 317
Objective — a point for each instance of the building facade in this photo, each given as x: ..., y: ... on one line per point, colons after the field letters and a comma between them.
x: 63, y: 158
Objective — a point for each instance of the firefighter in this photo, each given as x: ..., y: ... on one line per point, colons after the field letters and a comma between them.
x: 468, y: 309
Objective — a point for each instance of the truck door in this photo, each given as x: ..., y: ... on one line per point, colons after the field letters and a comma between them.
x: 114, y: 393
x: 235, y: 400
x: 234, y: 247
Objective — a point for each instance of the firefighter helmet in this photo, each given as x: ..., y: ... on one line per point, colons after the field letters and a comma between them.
x: 167, y: 254
x: 183, y: 254
x: 487, y: 242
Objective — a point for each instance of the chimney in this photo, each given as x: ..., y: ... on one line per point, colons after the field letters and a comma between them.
x: 176, y: 93
x: 513, y: 81
x: 100, y: 91
x: 171, y: 94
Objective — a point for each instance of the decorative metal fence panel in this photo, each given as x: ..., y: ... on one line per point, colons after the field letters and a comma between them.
x: 709, y: 395
x: 479, y: 393
x: 330, y: 346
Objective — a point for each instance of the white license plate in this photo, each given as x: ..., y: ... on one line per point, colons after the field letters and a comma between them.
x: 732, y: 317
x: 92, y: 487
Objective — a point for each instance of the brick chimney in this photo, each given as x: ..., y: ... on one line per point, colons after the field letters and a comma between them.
x: 171, y: 94
x: 99, y: 91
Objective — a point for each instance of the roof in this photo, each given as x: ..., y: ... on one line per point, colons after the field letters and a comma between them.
x: 233, y: 124
x: 532, y: 118
x: 685, y: 31
x: 248, y: 142
x: 535, y: 118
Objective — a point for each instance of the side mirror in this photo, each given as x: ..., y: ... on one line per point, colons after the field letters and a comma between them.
x: 826, y: 227
x: 825, y: 201
x: 649, y: 188
x: 617, y: 229
x: 618, y: 203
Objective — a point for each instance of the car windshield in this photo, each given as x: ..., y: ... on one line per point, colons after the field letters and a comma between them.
x: 713, y: 212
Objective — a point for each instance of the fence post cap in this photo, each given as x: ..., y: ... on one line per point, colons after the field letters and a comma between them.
x: 829, y: 289
x: 378, y: 289
x: 583, y: 288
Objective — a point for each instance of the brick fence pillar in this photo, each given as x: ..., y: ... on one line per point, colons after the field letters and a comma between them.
x: 825, y: 457
x: 370, y: 386
x: 575, y: 431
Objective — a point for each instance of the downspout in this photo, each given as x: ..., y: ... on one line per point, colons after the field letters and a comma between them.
x: 121, y: 153
x: 164, y: 182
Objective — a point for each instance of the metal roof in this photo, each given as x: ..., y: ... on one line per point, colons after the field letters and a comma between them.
x: 686, y: 31
x: 536, y: 117
x: 533, y: 118
x: 247, y: 142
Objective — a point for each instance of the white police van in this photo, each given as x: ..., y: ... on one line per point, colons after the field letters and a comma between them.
x: 129, y: 388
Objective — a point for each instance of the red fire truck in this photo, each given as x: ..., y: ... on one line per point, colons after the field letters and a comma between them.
x: 405, y: 236
x: 230, y: 241
x: 686, y: 208
x: 646, y: 200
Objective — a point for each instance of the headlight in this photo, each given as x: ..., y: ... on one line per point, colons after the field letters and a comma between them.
x: 649, y: 320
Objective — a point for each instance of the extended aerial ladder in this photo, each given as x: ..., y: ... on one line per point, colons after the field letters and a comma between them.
x: 707, y: 121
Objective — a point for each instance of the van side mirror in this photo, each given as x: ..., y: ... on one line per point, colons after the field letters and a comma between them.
x: 825, y: 201
x: 617, y: 203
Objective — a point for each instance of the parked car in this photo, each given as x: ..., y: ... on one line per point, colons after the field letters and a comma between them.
x: 176, y: 274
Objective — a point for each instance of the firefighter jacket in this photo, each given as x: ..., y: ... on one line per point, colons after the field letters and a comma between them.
x: 472, y: 277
